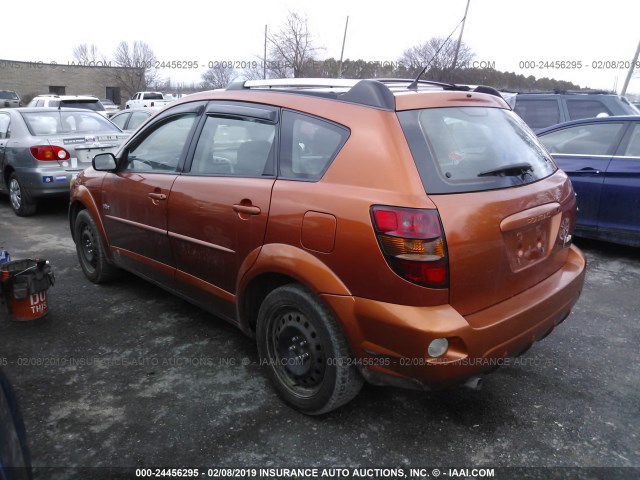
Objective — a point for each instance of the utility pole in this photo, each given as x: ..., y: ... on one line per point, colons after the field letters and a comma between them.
x: 633, y: 63
x: 464, y: 19
x: 264, y: 59
x: 344, y: 39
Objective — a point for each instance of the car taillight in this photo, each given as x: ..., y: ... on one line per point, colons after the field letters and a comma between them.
x: 49, y: 153
x: 413, y: 244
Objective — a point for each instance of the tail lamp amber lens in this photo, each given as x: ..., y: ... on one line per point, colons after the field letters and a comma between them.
x: 412, y: 241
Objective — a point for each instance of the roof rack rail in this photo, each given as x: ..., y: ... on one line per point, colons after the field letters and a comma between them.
x: 294, y: 83
x: 586, y: 91
x: 373, y: 92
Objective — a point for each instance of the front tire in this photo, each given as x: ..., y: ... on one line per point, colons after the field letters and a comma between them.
x: 91, y: 255
x: 306, y: 354
x: 23, y: 205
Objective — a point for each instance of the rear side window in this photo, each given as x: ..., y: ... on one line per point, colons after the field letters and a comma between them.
x: 590, y: 139
x: 241, y: 147
x: 586, y: 109
x: 538, y: 113
x: 86, y: 104
x: 468, y: 149
x: 309, y: 145
x: 633, y: 148
x: 5, y: 121
x: 59, y: 122
x: 120, y: 120
x: 137, y: 119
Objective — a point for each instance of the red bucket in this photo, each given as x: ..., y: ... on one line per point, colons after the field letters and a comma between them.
x: 24, y: 285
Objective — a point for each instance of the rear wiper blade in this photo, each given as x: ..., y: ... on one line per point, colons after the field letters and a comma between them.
x: 511, y: 170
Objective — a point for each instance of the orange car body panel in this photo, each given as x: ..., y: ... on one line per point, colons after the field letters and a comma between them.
x: 512, y: 277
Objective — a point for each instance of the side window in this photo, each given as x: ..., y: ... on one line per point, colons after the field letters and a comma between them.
x: 633, y: 149
x: 587, y: 109
x: 162, y: 148
x: 538, y: 113
x: 234, y: 146
x: 309, y: 145
x: 5, y: 121
x: 137, y: 118
x: 40, y: 103
x: 120, y: 120
x: 593, y: 139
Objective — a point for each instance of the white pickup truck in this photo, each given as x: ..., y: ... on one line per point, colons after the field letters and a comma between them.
x: 147, y: 99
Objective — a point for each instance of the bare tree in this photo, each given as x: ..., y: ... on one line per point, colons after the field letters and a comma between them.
x: 218, y: 76
x: 88, y: 54
x: 438, y: 53
x: 253, y: 73
x: 138, y: 66
x: 291, y: 49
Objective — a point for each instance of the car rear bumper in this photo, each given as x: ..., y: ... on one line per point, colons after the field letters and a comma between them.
x: 390, y: 341
x: 46, y: 181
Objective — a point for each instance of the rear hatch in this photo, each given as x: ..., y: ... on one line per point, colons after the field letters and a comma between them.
x: 505, y: 208
x: 75, y: 136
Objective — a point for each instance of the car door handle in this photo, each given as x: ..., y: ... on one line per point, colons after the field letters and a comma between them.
x: 589, y: 170
x: 247, y: 209
x: 157, y: 196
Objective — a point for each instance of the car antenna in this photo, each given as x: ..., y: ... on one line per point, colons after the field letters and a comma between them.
x: 414, y: 84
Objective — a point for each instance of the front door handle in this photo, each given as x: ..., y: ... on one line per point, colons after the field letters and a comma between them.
x: 247, y: 209
x: 589, y: 170
x: 157, y: 196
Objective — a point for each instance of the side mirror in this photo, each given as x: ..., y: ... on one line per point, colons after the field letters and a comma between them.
x: 104, y: 162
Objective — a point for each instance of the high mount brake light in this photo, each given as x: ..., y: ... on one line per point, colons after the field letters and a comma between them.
x: 413, y: 244
x: 49, y: 153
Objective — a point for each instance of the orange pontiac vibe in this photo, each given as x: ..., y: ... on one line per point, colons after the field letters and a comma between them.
x: 400, y: 232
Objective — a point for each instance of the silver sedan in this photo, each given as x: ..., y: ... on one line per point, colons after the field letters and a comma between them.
x: 43, y: 149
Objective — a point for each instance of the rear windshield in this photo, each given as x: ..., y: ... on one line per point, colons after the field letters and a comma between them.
x: 60, y: 122
x: 94, y: 105
x: 470, y: 149
x: 5, y: 95
x: 153, y: 96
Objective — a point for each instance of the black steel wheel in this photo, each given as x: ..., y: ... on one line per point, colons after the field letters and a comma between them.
x: 305, y: 352
x: 23, y: 205
x: 90, y: 250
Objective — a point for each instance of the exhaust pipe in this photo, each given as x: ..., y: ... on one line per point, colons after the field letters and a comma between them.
x: 473, y: 383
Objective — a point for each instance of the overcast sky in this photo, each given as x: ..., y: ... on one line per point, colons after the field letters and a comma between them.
x: 506, y: 32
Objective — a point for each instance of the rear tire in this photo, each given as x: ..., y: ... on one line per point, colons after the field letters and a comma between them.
x: 306, y: 354
x: 91, y: 255
x: 23, y: 205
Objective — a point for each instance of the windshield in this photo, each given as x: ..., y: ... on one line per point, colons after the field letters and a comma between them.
x: 5, y: 95
x: 466, y: 149
x: 61, y: 122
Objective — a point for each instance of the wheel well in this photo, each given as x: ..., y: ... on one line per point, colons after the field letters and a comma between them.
x: 74, y: 209
x: 256, y: 292
x: 7, y: 173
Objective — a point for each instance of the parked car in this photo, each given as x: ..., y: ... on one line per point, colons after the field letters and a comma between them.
x: 541, y: 110
x: 602, y: 158
x: 15, y: 461
x: 147, y: 99
x: 358, y: 229
x: 42, y: 149
x: 129, y: 120
x: 110, y: 107
x: 71, y: 101
x: 9, y: 99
